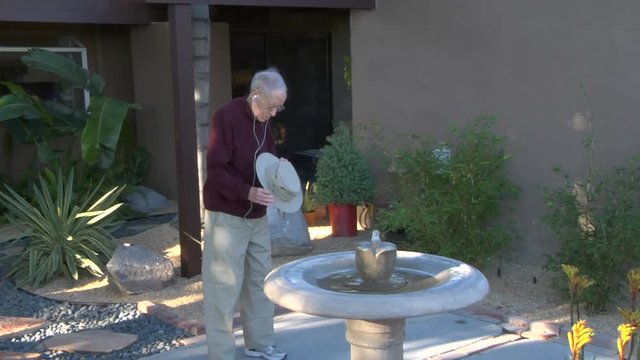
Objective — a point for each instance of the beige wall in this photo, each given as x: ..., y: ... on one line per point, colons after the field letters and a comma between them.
x: 422, y: 66
x: 153, y: 89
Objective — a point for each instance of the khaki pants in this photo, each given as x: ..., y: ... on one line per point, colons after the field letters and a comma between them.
x: 236, y: 259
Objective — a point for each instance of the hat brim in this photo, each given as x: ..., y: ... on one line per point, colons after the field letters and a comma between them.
x: 263, y: 161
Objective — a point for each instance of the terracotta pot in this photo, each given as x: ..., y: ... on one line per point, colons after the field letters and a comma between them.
x: 343, y: 220
x: 310, y: 217
x: 321, y: 212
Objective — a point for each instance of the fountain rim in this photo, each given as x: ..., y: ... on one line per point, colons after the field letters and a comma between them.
x: 286, y: 285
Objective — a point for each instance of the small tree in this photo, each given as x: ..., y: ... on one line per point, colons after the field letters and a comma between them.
x: 342, y: 174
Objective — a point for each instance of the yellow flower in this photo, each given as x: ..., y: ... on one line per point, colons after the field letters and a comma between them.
x: 580, y: 336
x: 570, y: 270
x: 626, y: 333
x: 577, y: 282
x: 633, y: 279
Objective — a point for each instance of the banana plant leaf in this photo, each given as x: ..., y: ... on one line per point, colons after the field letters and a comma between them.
x: 47, y: 154
x: 65, y: 68
x: 13, y: 107
x: 66, y: 119
x: 27, y: 131
x: 15, y: 89
x: 102, y: 131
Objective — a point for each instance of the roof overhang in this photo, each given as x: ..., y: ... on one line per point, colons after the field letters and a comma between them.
x: 83, y: 11
x: 333, y: 4
x: 138, y: 11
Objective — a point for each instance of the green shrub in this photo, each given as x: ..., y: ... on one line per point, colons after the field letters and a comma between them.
x: 342, y: 174
x: 446, y: 194
x: 597, y: 223
x: 65, y: 232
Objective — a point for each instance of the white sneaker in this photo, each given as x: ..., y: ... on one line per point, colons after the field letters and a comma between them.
x: 269, y: 353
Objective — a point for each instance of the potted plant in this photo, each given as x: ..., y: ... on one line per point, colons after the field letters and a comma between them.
x: 343, y: 180
x: 308, y: 205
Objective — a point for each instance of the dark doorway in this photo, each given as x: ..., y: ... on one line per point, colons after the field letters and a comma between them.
x: 303, y: 61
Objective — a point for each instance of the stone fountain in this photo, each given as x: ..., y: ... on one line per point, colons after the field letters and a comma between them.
x: 375, y: 289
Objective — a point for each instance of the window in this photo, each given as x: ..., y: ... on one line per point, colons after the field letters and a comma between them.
x: 45, y: 85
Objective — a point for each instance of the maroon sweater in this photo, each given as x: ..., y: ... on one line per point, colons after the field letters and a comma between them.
x: 231, y: 159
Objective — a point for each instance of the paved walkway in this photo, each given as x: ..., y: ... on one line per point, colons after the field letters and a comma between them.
x: 447, y: 336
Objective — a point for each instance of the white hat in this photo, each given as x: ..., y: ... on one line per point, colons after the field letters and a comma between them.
x: 279, y: 177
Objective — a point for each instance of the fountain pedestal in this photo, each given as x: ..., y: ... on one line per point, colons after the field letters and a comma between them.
x: 375, y: 309
x: 376, y: 339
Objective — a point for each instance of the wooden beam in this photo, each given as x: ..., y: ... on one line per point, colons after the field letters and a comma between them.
x: 184, y: 122
x: 335, y: 4
x: 82, y: 12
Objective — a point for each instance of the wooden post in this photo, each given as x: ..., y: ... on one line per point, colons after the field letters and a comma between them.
x: 181, y: 42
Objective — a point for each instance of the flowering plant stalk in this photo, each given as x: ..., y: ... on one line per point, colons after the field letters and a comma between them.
x: 577, y: 284
x: 579, y: 336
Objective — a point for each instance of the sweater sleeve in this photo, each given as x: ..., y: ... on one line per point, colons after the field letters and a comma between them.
x: 219, y: 155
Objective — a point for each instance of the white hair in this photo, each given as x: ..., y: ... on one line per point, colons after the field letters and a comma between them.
x: 269, y: 81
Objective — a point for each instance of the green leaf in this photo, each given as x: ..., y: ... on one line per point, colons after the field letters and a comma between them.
x: 71, y: 266
x: 102, y: 131
x: 58, y: 64
x: 104, y: 214
x: 115, y: 192
x: 66, y: 119
x: 16, y: 89
x: 13, y: 107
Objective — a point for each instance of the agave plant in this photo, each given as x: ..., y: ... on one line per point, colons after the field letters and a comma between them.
x: 65, y: 233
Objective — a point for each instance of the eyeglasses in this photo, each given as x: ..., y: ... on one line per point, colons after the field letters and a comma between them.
x: 276, y: 108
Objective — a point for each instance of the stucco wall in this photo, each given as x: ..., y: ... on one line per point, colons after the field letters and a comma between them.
x: 153, y: 89
x: 422, y: 66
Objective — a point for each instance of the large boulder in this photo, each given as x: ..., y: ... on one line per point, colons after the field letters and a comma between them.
x: 289, y: 233
x: 134, y: 269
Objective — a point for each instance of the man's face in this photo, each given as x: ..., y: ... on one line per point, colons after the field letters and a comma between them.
x: 267, y: 106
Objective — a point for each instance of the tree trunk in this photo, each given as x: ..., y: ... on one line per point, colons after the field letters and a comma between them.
x: 201, y: 70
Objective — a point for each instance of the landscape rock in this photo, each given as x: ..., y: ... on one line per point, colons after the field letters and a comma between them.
x: 11, y: 327
x: 289, y: 233
x: 145, y: 200
x: 12, y: 355
x: 134, y: 269
x: 95, y: 341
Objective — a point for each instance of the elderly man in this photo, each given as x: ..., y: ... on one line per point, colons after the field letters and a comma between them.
x: 237, y: 245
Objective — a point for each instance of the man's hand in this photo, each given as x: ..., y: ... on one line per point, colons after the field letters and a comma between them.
x: 260, y: 196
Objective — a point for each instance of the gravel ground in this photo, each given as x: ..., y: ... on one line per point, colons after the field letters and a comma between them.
x: 154, y: 335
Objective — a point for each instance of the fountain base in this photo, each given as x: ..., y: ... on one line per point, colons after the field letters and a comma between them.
x: 376, y: 339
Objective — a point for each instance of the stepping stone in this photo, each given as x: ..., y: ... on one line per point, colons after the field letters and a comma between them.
x: 11, y: 327
x: 95, y: 341
x: 10, y: 355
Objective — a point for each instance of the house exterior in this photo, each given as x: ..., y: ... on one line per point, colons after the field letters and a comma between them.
x: 417, y: 67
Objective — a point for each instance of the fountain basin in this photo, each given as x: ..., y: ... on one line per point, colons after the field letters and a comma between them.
x: 452, y: 285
